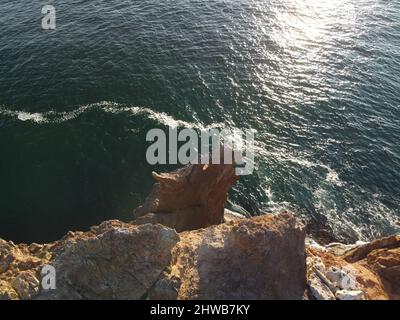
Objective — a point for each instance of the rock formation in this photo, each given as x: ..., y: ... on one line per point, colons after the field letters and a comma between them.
x: 258, y: 258
x: 183, y: 245
x: 20, y: 269
x: 124, y: 261
x: 114, y: 261
x: 189, y: 198
x: 383, y: 257
x: 361, y: 271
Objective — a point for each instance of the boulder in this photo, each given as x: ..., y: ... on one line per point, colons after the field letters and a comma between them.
x: 113, y: 261
x: 341, y: 278
x: 382, y: 256
x: 257, y: 258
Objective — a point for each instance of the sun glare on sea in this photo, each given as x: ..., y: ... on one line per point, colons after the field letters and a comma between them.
x: 309, y: 20
x: 300, y: 34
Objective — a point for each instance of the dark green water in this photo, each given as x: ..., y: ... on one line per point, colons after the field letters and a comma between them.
x: 318, y: 79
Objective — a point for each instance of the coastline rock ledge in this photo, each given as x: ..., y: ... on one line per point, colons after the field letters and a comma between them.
x: 184, y: 245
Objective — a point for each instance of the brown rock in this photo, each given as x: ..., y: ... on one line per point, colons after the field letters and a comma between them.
x: 26, y: 284
x: 258, y: 258
x: 361, y: 252
x: 19, y: 268
x: 7, y: 292
x: 386, y: 262
x: 111, y: 262
x: 189, y: 198
x: 367, y: 281
x: 216, y: 257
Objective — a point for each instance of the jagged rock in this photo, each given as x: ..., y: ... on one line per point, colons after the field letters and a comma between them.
x: 313, y: 244
x: 26, y: 285
x: 373, y: 268
x: 7, y: 292
x: 319, y: 289
x: 383, y: 257
x: 189, y: 198
x: 386, y: 262
x: 361, y: 252
x: 19, y: 269
x: 112, y: 262
x: 6, y: 258
x: 258, y: 258
x: 349, y: 295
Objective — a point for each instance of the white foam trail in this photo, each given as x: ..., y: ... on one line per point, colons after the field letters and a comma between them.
x: 25, y: 116
x: 105, y: 106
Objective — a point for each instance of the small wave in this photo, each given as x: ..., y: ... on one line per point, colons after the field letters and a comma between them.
x: 282, y: 156
x: 368, y: 219
x: 350, y: 211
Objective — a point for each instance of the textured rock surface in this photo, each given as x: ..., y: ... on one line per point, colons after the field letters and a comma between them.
x: 361, y: 252
x: 114, y: 261
x: 374, y: 266
x: 382, y: 256
x: 217, y: 254
x: 189, y: 198
x: 258, y: 258
x: 20, y: 267
x: 319, y: 290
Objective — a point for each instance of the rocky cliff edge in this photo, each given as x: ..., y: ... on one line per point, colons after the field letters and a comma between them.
x: 183, y: 244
